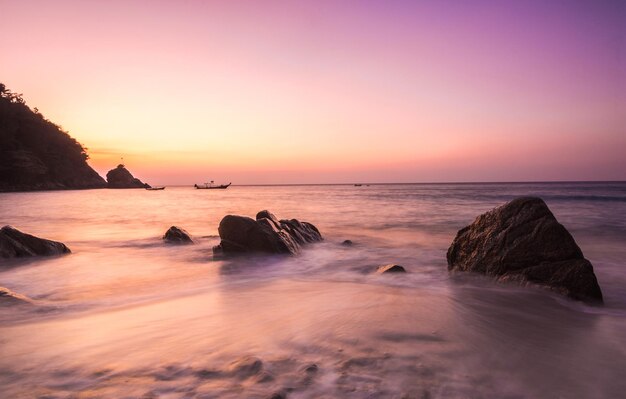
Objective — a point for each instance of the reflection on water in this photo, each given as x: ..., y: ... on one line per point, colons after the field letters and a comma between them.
x: 126, y: 316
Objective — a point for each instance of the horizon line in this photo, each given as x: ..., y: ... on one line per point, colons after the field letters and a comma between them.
x: 412, y: 183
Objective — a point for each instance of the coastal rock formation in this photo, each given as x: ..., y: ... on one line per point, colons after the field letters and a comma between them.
x: 10, y: 298
x: 14, y: 243
x: 120, y: 177
x: 176, y: 235
x: 390, y: 269
x: 36, y: 154
x: 241, y: 234
x: 522, y: 241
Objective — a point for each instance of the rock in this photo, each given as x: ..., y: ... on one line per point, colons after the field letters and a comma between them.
x: 390, y: 269
x: 264, y: 377
x: 278, y: 395
x: 176, y: 235
x: 120, y: 177
x: 347, y: 243
x: 10, y: 298
x: 246, y: 367
x: 265, y: 214
x: 302, y: 232
x: 14, y: 244
x: 522, y: 241
x: 241, y: 234
x: 311, y: 369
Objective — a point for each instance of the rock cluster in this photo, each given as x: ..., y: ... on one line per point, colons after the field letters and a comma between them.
x: 522, y: 241
x: 120, y: 177
x: 14, y: 243
x: 241, y: 234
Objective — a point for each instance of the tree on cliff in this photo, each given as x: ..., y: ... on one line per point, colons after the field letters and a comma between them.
x: 35, y: 153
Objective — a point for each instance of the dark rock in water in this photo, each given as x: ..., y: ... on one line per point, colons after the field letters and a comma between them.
x: 14, y: 244
x: 120, y: 177
x: 176, y: 235
x: 390, y: 269
x: 36, y: 154
x: 522, y: 241
x: 278, y: 395
x: 347, y: 243
x: 311, y: 369
x: 10, y: 298
x: 302, y: 232
x: 243, y: 234
x: 265, y: 214
x: 246, y: 367
x: 240, y: 234
x: 264, y: 377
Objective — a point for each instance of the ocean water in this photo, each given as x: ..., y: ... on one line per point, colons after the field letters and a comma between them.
x: 126, y: 316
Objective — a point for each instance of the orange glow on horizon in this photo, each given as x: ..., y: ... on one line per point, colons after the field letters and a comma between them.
x: 302, y: 93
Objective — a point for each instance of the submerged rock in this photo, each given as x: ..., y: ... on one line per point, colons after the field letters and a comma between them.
x: 241, y: 234
x: 246, y: 367
x: 522, y: 241
x: 390, y: 269
x: 347, y: 243
x: 10, y: 298
x: 176, y: 235
x: 14, y: 244
x: 311, y: 368
x: 277, y: 395
x: 120, y: 177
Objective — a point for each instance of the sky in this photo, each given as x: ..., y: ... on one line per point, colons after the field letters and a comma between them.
x: 271, y: 92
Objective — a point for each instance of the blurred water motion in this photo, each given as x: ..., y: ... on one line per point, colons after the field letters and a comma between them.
x: 126, y: 316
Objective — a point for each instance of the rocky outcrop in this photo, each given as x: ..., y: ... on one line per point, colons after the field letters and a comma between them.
x: 120, y: 177
x: 176, y: 235
x: 241, y: 234
x: 10, y: 298
x: 36, y: 154
x: 390, y: 269
x: 522, y: 241
x: 14, y: 244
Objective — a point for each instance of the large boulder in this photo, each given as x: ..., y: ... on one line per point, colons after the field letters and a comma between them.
x: 522, y: 241
x: 120, y: 177
x: 10, y: 298
x: 241, y: 234
x: 14, y: 243
x: 176, y: 235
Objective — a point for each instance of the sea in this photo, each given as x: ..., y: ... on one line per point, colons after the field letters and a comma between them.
x: 127, y: 316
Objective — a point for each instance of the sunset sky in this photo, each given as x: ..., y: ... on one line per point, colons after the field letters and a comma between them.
x: 329, y: 91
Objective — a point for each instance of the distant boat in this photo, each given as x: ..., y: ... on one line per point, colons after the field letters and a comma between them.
x: 211, y: 186
x: 357, y: 185
x: 155, y: 188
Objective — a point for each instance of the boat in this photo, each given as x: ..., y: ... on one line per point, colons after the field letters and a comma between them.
x: 357, y: 185
x: 155, y: 188
x: 211, y: 186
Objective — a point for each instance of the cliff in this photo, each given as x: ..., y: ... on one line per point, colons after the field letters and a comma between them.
x: 36, y: 154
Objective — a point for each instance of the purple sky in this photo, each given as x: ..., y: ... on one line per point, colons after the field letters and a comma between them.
x: 329, y: 91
